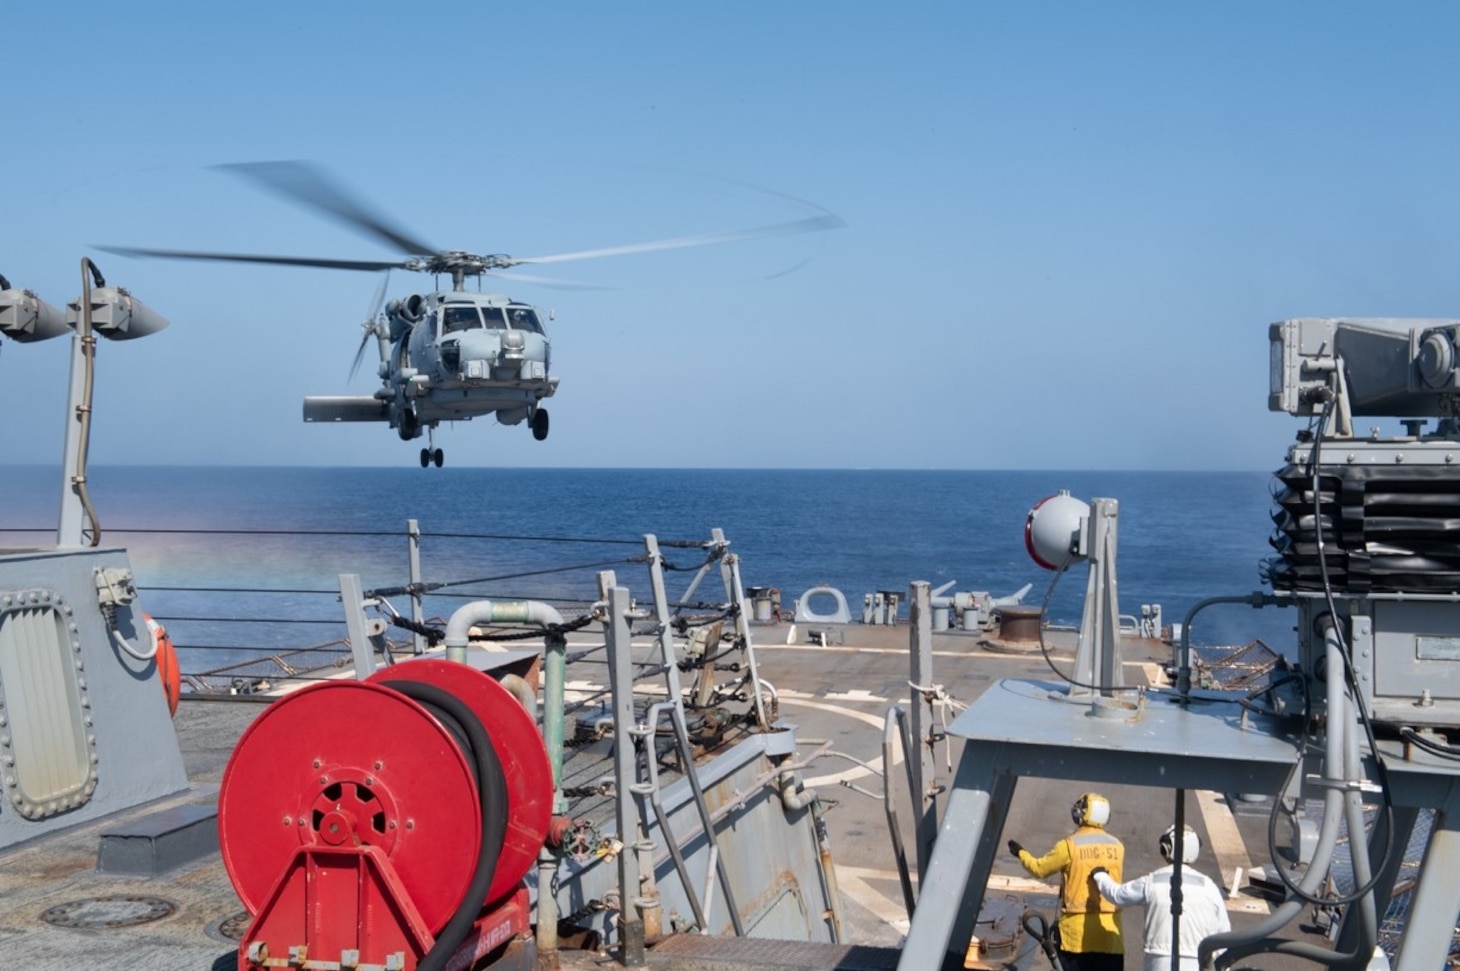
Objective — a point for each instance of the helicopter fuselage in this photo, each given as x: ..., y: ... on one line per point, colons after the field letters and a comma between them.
x: 453, y: 355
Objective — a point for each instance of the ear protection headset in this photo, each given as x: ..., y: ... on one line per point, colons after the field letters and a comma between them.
x: 1091, y: 809
x: 1190, y: 845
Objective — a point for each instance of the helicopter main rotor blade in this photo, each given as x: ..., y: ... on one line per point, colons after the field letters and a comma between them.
x: 810, y: 225
x: 552, y: 283
x: 172, y: 254
x: 310, y: 186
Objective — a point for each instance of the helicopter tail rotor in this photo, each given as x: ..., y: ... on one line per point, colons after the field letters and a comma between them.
x: 372, y: 325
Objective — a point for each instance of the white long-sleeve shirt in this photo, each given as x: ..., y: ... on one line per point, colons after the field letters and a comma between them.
x: 1203, y: 912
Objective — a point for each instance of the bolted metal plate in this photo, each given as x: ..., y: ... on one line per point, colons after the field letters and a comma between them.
x: 105, y: 913
x: 48, y: 757
x: 236, y: 926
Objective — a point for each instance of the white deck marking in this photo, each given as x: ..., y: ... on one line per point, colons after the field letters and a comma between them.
x: 856, y: 694
x: 1155, y: 673
x: 1228, y: 850
x: 852, y: 882
x: 856, y: 771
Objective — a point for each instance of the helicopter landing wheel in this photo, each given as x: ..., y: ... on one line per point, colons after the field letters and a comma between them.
x: 438, y: 457
x: 409, y: 426
x: 540, y: 424
x: 425, y: 458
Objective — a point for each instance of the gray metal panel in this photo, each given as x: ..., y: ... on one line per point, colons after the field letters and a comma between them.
x: 1057, y: 739
x: 159, y: 842
x: 1416, y: 650
x: 137, y: 754
x: 749, y: 814
x: 47, y: 746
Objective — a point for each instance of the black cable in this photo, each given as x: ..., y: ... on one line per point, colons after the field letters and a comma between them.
x: 566, y: 627
x: 536, y: 539
x: 1044, y: 648
x: 151, y: 589
x: 1037, y: 927
x: 1351, y: 681
x: 456, y: 718
x: 1431, y: 746
x: 537, y: 573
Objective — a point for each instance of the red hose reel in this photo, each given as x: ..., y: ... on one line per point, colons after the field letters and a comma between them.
x: 351, y: 820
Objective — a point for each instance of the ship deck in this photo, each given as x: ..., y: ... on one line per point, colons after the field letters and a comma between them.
x: 838, y: 693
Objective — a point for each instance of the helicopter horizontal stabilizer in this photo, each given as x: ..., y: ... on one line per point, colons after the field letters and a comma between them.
x: 345, y: 408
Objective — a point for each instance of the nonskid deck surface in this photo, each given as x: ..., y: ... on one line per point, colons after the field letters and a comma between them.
x: 839, y: 692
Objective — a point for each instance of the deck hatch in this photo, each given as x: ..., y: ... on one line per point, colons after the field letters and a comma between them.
x: 47, y: 742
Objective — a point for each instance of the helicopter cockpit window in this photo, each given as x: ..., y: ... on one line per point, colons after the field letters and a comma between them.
x: 524, y: 318
x: 459, y: 318
x: 495, y: 317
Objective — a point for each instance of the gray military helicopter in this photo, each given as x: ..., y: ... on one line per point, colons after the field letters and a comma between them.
x: 450, y: 355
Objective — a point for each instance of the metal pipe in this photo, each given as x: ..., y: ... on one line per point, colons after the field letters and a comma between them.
x: 491, y: 612
x: 1183, y: 666
x: 1178, y: 860
x: 522, y: 691
x: 1358, y: 847
x: 651, y: 791
x: 1256, y: 938
x: 735, y: 592
x: 828, y: 872
x: 1342, y: 726
x: 788, y: 785
x: 918, y: 726
x: 895, y: 726
x: 621, y: 674
x: 76, y: 508
x: 555, y: 647
x: 554, y: 688
x: 662, y: 615
x: 647, y: 901
x: 413, y: 547
x: 686, y: 755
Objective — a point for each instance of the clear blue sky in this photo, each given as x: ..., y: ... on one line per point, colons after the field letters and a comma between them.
x: 1068, y: 225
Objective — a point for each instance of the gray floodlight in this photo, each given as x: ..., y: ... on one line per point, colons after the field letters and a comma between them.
x: 117, y: 315
x: 26, y: 318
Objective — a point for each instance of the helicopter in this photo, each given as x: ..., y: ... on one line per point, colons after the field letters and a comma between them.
x: 447, y: 355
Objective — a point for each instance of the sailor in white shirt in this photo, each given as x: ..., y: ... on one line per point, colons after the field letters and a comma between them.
x: 1203, y: 908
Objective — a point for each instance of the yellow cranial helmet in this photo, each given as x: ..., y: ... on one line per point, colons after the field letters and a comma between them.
x: 1091, y: 809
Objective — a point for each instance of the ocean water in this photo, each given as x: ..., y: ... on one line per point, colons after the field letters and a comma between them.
x: 545, y: 534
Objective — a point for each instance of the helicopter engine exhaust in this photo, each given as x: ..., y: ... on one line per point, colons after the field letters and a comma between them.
x: 405, y: 314
x: 412, y: 308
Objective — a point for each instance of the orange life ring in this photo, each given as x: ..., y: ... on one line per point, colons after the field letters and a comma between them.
x: 167, y: 669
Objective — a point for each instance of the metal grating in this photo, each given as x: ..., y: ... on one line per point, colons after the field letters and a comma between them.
x: 47, y: 741
x: 1246, y: 668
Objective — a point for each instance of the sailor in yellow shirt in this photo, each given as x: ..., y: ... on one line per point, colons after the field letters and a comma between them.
x: 1089, y: 926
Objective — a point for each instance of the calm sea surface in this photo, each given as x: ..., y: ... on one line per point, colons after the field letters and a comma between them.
x: 1182, y: 536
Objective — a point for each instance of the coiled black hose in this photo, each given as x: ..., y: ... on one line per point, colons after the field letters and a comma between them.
x: 471, y: 737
